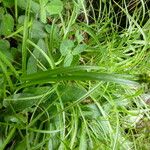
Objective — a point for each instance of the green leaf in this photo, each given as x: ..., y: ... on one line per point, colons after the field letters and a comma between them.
x: 21, y: 144
x: 35, y: 57
x: 35, y: 7
x: 26, y: 99
x: 71, y: 93
x: 79, y: 37
x: 41, y: 44
x: 7, y: 75
x: 43, y: 10
x: 4, y: 59
x: 75, y: 60
x: 91, y: 111
x: 37, y: 90
x: 43, y: 16
x: 56, y: 71
x: 32, y: 64
x: 4, y: 44
x: 79, y: 49
x: 37, y: 30
x: 8, y: 138
x: 21, y: 19
x: 2, y: 11
x: 8, y: 3
x: 83, y: 138
x: 5, y: 48
x: 68, y: 60
x: 66, y: 47
x: 54, y: 7
x: 86, y: 76
x: 54, y: 32
x: 18, y: 118
x: 20, y: 102
x: 22, y: 4
x: 7, y: 25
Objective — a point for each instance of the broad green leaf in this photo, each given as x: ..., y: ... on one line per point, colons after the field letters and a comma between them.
x: 35, y: 7
x: 2, y: 11
x: 5, y: 48
x: 54, y: 32
x: 15, y: 54
x: 21, y: 101
x: 8, y: 3
x: 37, y: 90
x: 66, y: 47
x: 7, y: 25
x: 68, y: 93
x: 42, y: 45
x: 26, y: 99
x: 71, y: 93
x: 21, y: 144
x: 35, y: 57
x: 79, y: 49
x: 54, y: 7
x: 22, y: 4
x: 4, y: 59
x: 75, y: 60
x: 91, y: 111
x: 7, y: 75
x: 18, y: 118
x: 32, y: 64
x: 21, y: 19
x: 37, y: 30
x: 79, y: 37
x: 44, y: 54
x: 68, y: 60
x: 4, y: 44
x: 48, y: 28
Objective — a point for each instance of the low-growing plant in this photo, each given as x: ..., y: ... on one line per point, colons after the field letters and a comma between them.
x: 74, y: 74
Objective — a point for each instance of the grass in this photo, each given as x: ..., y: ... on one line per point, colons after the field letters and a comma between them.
x: 74, y: 75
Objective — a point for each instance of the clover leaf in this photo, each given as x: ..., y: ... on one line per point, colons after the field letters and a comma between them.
x: 7, y: 25
x: 66, y: 47
x: 54, y: 7
x: 79, y: 49
x: 69, y: 50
